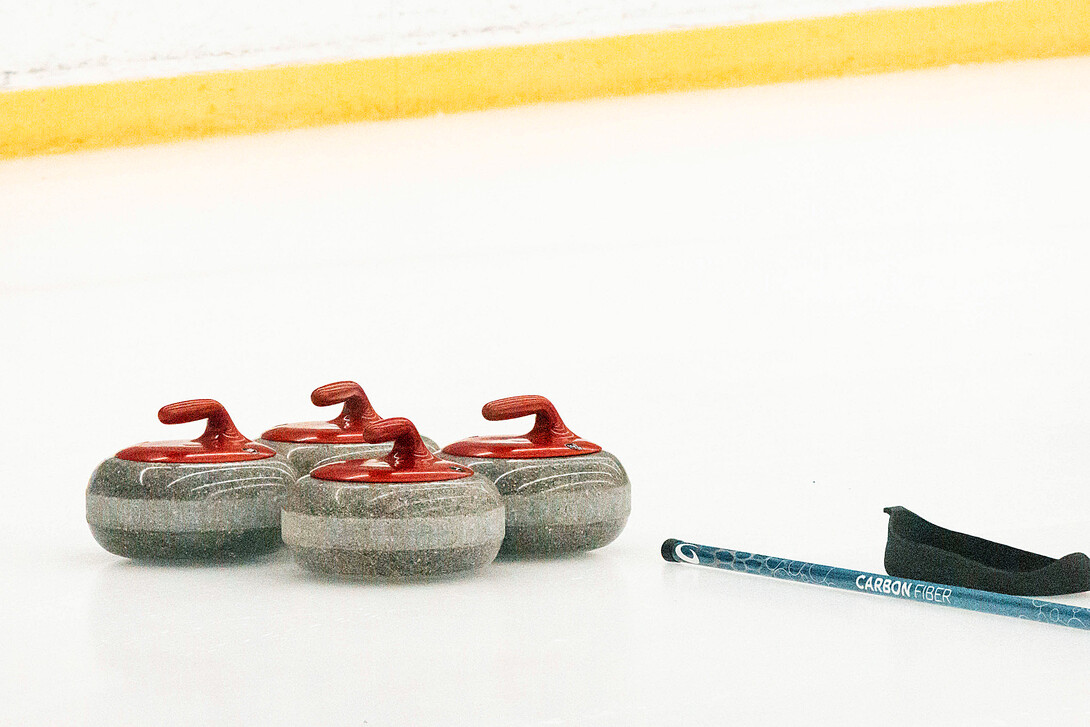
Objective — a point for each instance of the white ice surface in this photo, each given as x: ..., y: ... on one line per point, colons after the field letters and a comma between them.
x: 57, y: 42
x: 783, y: 308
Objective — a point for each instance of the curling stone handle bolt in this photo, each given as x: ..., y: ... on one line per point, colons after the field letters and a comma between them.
x: 220, y: 432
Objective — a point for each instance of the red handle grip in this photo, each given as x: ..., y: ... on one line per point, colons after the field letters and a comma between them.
x: 220, y: 430
x: 194, y: 410
x: 357, y: 413
x: 548, y: 426
x: 513, y: 407
x: 336, y: 393
x: 409, y: 450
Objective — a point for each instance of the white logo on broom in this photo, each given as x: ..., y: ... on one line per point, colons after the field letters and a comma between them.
x: 689, y: 557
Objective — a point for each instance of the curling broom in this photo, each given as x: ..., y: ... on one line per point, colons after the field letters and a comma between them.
x: 1032, y: 609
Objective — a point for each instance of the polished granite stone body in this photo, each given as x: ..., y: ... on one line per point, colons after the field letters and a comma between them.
x: 558, y: 504
x: 304, y: 457
x: 149, y: 510
x: 398, y: 530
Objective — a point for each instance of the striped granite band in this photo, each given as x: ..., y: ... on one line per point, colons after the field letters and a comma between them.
x: 183, y: 516
x: 388, y: 534
x: 568, y: 508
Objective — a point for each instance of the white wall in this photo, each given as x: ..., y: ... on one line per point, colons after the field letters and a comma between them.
x: 57, y: 42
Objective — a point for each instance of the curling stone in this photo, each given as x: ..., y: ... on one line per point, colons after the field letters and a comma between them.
x: 307, y: 445
x: 408, y: 514
x: 562, y: 493
x: 216, y: 495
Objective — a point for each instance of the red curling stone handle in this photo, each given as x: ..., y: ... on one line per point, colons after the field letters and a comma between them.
x: 409, y: 451
x: 548, y: 427
x: 220, y: 432
x: 357, y: 407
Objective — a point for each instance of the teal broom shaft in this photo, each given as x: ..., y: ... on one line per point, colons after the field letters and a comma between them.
x: 679, y: 551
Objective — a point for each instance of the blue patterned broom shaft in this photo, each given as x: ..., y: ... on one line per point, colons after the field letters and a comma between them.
x: 852, y: 580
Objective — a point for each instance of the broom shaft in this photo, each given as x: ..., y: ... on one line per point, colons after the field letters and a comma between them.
x: 860, y: 581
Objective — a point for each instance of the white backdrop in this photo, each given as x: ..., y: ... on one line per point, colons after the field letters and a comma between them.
x: 783, y: 308
x: 57, y: 42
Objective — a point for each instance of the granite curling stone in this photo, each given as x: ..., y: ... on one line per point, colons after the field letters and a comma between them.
x: 561, y: 493
x: 408, y: 514
x: 307, y: 445
x: 218, y: 495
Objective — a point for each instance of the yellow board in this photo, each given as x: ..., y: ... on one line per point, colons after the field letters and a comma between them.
x: 239, y: 102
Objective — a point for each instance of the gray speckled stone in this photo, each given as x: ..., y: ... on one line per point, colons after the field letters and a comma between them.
x: 558, y: 504
x: 187, y: 511
x: 304, y: 457
x: 393, y: 529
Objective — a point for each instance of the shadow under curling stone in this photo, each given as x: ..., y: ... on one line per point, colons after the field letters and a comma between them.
x: 356, y: 581
x: 215, y: 560
x: 505, y: 558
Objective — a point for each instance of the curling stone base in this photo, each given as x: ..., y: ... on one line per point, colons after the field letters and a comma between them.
x: 162, y: 545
